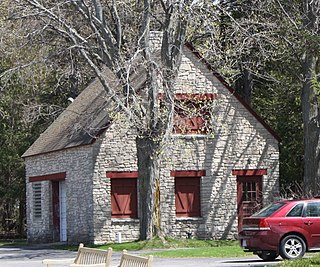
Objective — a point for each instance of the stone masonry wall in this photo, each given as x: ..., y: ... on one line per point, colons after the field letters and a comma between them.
x: 116, y: 153
x: 239, y: 141
x: 77, y: 163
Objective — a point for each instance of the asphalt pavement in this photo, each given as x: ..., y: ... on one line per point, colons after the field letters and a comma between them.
x: 32, y: 256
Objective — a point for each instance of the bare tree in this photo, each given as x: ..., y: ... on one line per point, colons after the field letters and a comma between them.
x: 310, y: 96
x: 115, y: 36
x: 240, y: 38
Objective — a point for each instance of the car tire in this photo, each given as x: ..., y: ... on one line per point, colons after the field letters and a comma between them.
x: 292, y: 247
x: 267, y: 255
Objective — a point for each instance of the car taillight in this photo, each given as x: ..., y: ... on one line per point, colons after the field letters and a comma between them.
x: 264, y: 225
x: 255, y: 224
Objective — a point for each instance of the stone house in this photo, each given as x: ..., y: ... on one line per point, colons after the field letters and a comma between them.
x: 81, y: 173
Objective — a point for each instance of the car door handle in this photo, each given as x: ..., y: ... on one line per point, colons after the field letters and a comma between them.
x: 308, y: 223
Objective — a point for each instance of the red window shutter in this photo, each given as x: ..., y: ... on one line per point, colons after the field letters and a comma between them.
x: 191, y: 118
x: 192, y: 125
x: 195, y: 124
x: 124, y: 198
x: 187, y: 196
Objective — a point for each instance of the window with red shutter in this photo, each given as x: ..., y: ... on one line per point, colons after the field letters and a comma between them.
x: 192, y: 113
x: 192, y: 116
x: 123, y: 194
x: 187, y: 196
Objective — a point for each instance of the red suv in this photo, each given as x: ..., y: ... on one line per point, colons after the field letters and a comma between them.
x: 288, y: 227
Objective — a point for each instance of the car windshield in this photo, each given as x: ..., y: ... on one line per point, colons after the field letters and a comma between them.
x: 268, y: 210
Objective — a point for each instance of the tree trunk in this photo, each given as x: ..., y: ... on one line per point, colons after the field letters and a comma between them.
x: 22, y: 215
x: 247, y: 85
x: 147, y: 148
x: 310, y: 111
x: 310, y: 101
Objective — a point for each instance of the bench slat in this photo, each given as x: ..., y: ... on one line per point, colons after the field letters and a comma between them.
x: 87, y: 257
x: 93, y: 256
x: 129, y: 260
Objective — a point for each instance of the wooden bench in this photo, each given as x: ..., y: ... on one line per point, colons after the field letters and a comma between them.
x: 86, y: 257
x: 129, y: 260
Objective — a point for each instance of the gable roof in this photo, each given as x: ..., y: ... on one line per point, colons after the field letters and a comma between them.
x: 76, y: 125
x: 87, y: 115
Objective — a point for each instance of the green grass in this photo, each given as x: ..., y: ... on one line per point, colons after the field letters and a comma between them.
x: 156, y: 243
x: 218, y: 252
x: 314, y: 261
x: 176, y: 248
x: 13, y: 242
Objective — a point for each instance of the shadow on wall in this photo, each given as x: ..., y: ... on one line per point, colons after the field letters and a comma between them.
x: 221, y: 156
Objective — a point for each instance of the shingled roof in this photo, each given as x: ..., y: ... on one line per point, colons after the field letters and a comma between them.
x: 86, y: 117
x: 77, y: 125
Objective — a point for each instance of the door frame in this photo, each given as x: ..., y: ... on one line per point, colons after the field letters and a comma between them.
x: 252, y: 175
x: 63, y: 211
x: 59, y: 211
x: 55, y: 179
x: 55, y: 210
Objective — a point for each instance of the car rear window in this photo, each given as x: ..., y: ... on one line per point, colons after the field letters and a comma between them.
x: 268, y: 210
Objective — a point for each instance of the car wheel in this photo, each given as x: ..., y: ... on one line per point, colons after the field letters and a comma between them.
x: 292, y: 247
x: 267, y: 255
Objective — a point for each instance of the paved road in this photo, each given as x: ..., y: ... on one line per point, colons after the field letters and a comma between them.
x: 32, y: 257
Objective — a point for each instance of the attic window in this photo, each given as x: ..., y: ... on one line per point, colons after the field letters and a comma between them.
x: 192, y: 113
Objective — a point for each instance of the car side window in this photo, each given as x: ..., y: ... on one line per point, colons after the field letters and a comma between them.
x: 313, y: 209
x: 296, y: 211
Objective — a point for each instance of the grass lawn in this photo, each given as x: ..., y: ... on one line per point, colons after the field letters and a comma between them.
x: 13, y: 242
x: 314, y: 261
x: 176, y: 248
x: 219, y: 252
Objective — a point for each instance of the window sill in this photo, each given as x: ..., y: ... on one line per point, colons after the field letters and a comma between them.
x: 190, y: 136
x: 124, y: 220
x: 188, y: 219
